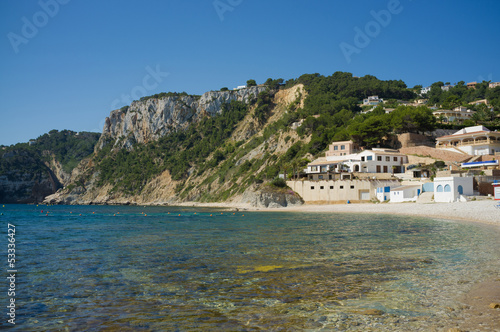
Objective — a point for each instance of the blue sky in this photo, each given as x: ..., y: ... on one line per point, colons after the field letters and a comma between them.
x: 65, y: 64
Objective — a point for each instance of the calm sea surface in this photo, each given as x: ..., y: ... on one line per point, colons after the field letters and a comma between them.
x: 110, y: 268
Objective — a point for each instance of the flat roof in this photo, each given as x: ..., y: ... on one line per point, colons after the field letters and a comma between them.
x: 469, y: 134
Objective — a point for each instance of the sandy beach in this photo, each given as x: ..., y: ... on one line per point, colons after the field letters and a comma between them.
x: 482, y: 211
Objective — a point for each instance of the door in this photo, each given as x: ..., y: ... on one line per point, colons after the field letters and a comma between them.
x: 364, y: 195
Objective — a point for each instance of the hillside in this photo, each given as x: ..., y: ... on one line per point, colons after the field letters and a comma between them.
x: 230, y: 145
x: 223, y: 145
x: 31, y: 171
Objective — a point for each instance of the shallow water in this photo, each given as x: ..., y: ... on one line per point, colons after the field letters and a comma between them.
x: 116, y: 269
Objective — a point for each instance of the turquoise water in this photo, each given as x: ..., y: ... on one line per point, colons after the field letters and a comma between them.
x: 150, y: 269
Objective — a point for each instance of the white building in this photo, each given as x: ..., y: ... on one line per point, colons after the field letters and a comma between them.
x: 383, y: 193
x: 405, y: 194
x: 368, y: 161
x: 372, y: 100
x: 377, y: 161
x: 425, y: 90
x: 493, y: 85
x: 449, y: 189
x: 475, y: 141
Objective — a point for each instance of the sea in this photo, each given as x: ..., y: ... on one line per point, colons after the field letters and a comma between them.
x: 143, y: 268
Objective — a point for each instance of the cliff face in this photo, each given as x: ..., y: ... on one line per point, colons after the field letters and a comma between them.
x: 29, y: 184
x: 247, y: 152
x: 146, y: 121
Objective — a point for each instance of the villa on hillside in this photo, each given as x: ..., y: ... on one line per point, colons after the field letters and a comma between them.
x: 425, y: 90
x: 372, y: 100
x: 459, y: 113
x: 345, y: 156
x: 477, y: 140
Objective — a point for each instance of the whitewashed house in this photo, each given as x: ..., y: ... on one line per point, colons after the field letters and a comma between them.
x: 475, y: 141
x: 383, y: 193
x: 344, y: 156
x: 372, y: 100
x: 425, y: 90
x: 450, y: 189
x: 405, y: 194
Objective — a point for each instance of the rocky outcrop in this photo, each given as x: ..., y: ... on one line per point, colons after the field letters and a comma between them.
x: 269, y: 198
x: 148, y: 120
x: 21, y: 188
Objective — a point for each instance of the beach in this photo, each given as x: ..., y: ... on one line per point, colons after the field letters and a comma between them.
x: 482, y: 211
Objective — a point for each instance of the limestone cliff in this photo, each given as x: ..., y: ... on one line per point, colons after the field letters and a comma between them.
x: 148, y: 120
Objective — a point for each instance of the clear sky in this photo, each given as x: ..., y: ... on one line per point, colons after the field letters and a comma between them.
x: 65, y: 64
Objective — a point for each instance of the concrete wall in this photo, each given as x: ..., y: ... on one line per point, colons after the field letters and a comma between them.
x: 324, y: 192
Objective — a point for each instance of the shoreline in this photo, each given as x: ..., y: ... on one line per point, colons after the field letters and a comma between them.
x: 481, y: 211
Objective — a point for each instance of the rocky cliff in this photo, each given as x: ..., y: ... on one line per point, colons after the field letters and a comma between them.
x: 148, y: 120
x: 226, y: 173
x: 28, y: 184
x: 31, y: 171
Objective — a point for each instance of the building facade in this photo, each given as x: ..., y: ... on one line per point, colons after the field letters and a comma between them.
x: 405, y: 194
x: 457, y: 114
x: 372, y: 100
x: 450, y: 189
x: 329, y: 191
x: 474, y: 141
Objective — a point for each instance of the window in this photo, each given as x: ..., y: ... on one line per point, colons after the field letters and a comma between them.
x: 395, y: 158
x: 331, y: 187
x: 439, y: 189
x: 447, y: 188
x: 387, y: 158
x: 341, y: 187
x: 320, y: 177
x: 342, y: 147
x: 379, y: 158
x: 352, y: 187
x: 312, y: 187
x: 321, y: 187
x: 368, y: 157
x: 329, y: 176
x: 335, y: 148
x: 362, y: 158
x: 314, y: 168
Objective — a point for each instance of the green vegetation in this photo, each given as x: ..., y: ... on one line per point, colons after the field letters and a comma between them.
x: 68, y: 148
x: 209, y: 165
x: 177, y: 152
x: 168, y: 94
x: 251, y: 83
